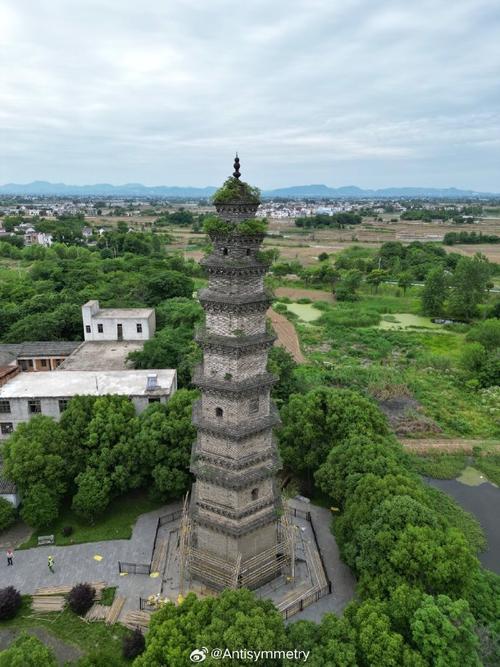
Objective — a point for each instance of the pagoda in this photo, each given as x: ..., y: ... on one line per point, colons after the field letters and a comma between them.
x: 236, y: 536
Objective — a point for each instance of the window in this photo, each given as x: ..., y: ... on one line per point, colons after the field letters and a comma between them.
x: 255, y: 494
x: 63, y: 404
x: 4, y: 406
x: 57, y: 362
x: 34, y: 406
x: 219, y: 412
x: 100, y: 328
x: 6, y: 428
x: 248, y: 251
x: 88, y: 328
x: 30, y: 363
x: 155, y: 399
x: 139, y: 327
x: 43, y: 363
x: 225, y: 251
x: 253, y: 406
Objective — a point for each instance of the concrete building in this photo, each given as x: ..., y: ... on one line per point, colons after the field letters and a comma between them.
x: 101, y: 324
x: 235, y: 504
x: 27, y: 395
x: 37, y: 355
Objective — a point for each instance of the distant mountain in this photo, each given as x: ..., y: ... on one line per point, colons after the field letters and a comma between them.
x: 318, y: 191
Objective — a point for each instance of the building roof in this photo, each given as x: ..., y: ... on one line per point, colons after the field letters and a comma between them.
x: 106, y: 355
x: 66, y: 383
x: 124, y: 313
x: 42, y: 348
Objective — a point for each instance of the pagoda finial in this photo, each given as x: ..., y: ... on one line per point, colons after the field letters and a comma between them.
x: 236, y: 166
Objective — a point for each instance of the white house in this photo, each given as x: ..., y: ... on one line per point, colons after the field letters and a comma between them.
x: 100, y: 324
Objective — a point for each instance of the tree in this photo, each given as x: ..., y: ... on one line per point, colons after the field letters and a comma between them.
x: 166, y: 284
x: 444, y: 632
x: 40, y: 505
x: 375, y: 277
x: 93, y: 494
x: 487, y: 333
x: 27, y: 651
x: 133, y: 644
x: 434, y: 292
x: 282, y: 364
x: 10, y: 603
x: 81, y: 598
x: 346, y: 289
x: 35, y: 454
x: 7, y: 514
x: 314, y: 422
x: 164, y: 441
x: 405, y: 280
x: 235, y: 619
x: 468, y: 288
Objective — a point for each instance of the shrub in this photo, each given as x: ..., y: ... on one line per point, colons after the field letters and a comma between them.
x: 7, y: 514
x: 67, y: 531
x: 133, y: 644
x: 235, y: 190
x: 10, y: 602
x: 81, y: 598
x: 304, y: 299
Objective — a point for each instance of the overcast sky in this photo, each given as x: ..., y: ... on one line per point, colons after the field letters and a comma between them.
x: 363, y: 92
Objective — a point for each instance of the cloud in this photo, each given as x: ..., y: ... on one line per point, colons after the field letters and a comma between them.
x: 307, y: 90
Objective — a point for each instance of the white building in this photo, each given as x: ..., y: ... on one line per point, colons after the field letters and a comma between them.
x: 100, y: 324
x: 29, y: 394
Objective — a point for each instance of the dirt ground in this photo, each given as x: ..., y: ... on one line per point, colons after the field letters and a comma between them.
x: 418, y: 446
x: 287, y: 336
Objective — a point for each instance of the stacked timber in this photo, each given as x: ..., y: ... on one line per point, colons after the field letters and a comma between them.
x: 115, y: 610
x: 136, y: 619
x: 46, y: 603
x: 97, y: 612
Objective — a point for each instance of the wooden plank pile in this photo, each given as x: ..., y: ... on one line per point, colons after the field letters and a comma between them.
x: 46, y: 603
x: 136, y: 619
x: 52, y: 598
x: 160, y: 556
x: 97, y: 612
x: 115, y: 610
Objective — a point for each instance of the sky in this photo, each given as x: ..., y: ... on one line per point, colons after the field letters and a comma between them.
x: 163, y: 92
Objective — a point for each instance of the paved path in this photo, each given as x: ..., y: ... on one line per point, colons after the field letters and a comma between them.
x: 343, y: 581
x: 76, y: 563
x: 448, y: 445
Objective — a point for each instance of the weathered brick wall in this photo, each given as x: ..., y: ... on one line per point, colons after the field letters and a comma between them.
x: 234, y: 410
x: 235, y: 449
x: 218, y: 364
x: 232, y: 324
x: 226, y: 285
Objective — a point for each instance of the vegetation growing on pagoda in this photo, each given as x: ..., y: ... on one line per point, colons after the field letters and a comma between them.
x: 238, y: 191
x: 214, y: 226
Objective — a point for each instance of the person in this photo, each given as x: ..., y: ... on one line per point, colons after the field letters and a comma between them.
x: 10, y: 557
x: 50, y: 563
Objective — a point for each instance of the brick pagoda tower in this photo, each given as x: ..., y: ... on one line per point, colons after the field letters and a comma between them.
x: 236, y: 536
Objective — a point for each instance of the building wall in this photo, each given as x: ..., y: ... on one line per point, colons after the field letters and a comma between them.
x: 34, y: 364
x: 19, y: 411
x: 212, y: 444
x: 91, y: 318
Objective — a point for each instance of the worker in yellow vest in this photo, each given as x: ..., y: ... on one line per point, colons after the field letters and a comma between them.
x: 50, y: 563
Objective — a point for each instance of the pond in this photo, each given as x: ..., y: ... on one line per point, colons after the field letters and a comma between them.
x: 305, y: 311
x: 483, y: 501
x: 406, y: 321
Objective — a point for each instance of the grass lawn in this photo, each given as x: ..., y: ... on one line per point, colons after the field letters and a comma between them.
x: 116, y: 523
x: 69, y: 628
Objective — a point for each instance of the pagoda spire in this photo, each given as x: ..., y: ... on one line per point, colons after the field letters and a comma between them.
x: 236, y: 166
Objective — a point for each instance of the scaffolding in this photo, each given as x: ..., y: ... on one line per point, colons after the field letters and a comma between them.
x: 220, y: 573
